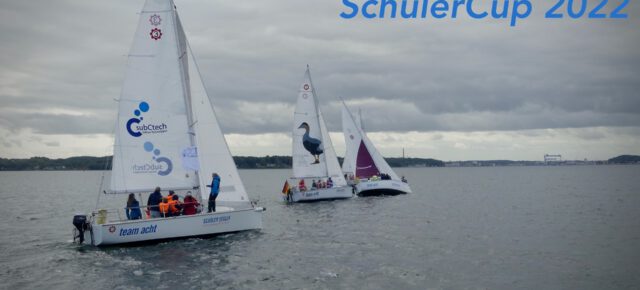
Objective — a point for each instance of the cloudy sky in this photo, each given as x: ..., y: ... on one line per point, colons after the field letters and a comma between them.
x: 447, y: 89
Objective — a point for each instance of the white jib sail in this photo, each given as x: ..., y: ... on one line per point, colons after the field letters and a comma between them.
x: 309, y: 146
x: 152, y: 126
x: 381, y: 164
x: 333, y: 166
x: 213, y: 153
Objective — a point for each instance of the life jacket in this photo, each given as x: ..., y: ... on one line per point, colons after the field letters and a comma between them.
x: 172, y: 206
x: 164, y: 207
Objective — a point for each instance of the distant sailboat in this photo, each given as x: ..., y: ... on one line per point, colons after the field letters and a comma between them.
x: 370, y: 173
x: 313, y: 155
x: 168, y: 136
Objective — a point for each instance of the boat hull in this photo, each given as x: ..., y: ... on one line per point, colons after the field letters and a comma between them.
x: 382, y: 187
x: 203, y: 224
x: 322, y: 194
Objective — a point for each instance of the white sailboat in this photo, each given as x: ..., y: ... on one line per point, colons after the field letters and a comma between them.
x: 167, y: 135
x: 371, y: 174
x: 313, y: 155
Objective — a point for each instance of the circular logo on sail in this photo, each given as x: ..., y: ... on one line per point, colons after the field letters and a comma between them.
x: 155, y: 20
x: 162, y: 165
x: 112, y: 229
x: 136, y: 128
x: 155, y: 33
x: 306, y: 87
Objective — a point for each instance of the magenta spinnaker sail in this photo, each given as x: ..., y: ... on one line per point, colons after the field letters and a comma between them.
x: 365, y: 167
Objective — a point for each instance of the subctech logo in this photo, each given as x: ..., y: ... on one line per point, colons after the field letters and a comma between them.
x: 162, y: 167
x: 136, y: 129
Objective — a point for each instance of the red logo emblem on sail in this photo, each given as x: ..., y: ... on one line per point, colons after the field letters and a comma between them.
x: 155, y: 20
x: 156, y: 34
x: 306, y: 87
x: 112, y: 229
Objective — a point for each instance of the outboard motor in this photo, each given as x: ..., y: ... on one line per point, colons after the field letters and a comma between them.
x: 81, y: 224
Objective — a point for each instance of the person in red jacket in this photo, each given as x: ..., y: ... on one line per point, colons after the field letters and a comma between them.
x: 190, y: 205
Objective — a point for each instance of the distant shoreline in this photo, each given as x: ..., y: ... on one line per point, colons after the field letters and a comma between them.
x: 83, y: 163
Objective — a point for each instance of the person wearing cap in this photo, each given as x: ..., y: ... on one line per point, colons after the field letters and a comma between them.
x: 215, y: 189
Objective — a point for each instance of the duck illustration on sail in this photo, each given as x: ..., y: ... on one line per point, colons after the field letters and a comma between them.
x: 364, y: 166
x: 313, y: 145
x: 168, y: 137
x: 316, y: 171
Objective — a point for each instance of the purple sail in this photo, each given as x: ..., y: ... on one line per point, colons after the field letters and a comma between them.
x: 365, y: 167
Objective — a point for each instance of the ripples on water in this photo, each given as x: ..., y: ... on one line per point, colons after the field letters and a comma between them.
x: 496, y: 228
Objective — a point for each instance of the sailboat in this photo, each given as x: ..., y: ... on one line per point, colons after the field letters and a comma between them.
x: 314, y: 158
x: 167, y: 135
x: 371, y: 174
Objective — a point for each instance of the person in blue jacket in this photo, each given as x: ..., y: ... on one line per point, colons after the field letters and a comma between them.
x: 133, y: 208
x: 215, y: 189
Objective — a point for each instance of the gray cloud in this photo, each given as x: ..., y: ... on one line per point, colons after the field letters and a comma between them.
x: 407, y: 75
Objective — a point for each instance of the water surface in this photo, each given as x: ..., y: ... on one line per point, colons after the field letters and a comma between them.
x: 495, y: 228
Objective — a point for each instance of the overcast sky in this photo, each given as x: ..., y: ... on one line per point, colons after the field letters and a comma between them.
x: 447, y: 89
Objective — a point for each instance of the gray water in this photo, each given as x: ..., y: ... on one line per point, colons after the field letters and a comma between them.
x: 478, y: 228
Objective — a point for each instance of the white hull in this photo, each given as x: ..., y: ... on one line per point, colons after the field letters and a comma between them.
x: 382, y: 187
x: 322, y: 194
x: 135, y: 231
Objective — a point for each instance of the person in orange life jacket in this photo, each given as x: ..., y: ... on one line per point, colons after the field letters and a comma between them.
x: 174, y: 203
x: 190, y: 205
x: 164, y: 207
x: 215, y: 189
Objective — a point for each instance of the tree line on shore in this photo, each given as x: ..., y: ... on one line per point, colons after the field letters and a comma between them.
x: 243, y: 162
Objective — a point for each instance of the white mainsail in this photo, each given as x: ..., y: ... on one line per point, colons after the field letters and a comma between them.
x: 352, y: 141
x: 152, y: 123
x: 350, y: 128
x: 164, y: 112
x: 309, y: 126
